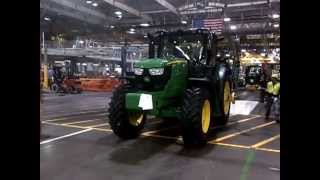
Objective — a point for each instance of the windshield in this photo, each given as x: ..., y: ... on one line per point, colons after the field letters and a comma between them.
x: 189, y: 47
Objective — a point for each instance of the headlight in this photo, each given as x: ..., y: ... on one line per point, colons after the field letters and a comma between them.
x: 156, y: 71
x: 138, y: 71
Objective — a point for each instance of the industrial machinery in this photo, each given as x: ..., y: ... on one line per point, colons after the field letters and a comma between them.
x: 186, y: 77
x: 253, y: 75
x: 65, y: 84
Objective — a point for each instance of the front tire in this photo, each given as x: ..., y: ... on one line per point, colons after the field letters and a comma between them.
x: 195, y: 116
x: 124, y: 124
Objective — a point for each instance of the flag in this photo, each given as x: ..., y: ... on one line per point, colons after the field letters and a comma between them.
x: 214, y: 25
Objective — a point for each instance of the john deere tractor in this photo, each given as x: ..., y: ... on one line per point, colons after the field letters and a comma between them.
x: 186, y: 78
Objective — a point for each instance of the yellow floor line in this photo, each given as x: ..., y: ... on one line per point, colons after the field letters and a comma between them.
x: 239, y: 121
x: 79, y: 122
x: 100, y: 129
x: 66, y: 118
x: 147, y: 134
x: 246, y: 147
x: 268, y: 150
x: 243, y: 131
x: 230, y: 145
x: 98, y: 125
x: 73, y: 126
x: 264, y: 142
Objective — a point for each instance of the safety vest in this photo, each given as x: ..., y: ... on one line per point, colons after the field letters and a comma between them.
x: 273, y: 89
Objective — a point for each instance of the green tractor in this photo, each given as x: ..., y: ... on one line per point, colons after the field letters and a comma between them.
x: 186, y: 78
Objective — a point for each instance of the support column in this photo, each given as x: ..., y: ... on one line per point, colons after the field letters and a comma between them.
x: 45, y: 65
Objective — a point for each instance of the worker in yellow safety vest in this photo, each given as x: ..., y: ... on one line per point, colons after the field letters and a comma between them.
x: 273, y: 90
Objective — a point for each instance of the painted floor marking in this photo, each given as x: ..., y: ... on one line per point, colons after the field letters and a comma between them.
x: 269, y: 150
x: 66, y: 118
x: 148, y: 134
x: 83, y: 111
x: 100, y: 129
x: 98, y: 125
x: 264, y: 142
x: 79, y: 122
x: 72, y: 126
x: 230, y: 145
x: 237, y: 122
x: 245, y: 147
x: 65, y: 136
x: 243, y: 131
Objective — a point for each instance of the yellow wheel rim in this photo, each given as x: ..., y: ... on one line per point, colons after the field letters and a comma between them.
x: 227, y: 98
x: 206, y: 110
x: 135, y: 118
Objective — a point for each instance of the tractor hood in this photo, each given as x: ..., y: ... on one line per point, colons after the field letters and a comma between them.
x: 151, y: 63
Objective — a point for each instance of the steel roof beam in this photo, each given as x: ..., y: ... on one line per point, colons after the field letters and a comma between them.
x: 89, y: 18
x: 167, y: 5
x: 128, y: 9
x: 78, y: 7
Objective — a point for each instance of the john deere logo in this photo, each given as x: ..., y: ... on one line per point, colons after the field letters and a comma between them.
x: 146, y: 79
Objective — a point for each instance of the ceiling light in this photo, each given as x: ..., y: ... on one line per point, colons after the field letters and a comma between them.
x: 233, y: 27
x: 184, y: 22
x: 95, y: 4
x: 111, y: 26
x: 144, y: 24
x: 81, y: 42
x: 276, y: 25
x: 47, y: 19
x: 131, y: 29
x: 145, y: 36
x: 119, y: 13
x: 243, y: 50
x: 275, y: 16
x: 131, y: 32
x: 88, y: 2
x: 227, y: 19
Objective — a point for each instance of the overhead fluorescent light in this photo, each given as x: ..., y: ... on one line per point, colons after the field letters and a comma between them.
x: 276, y: 25
x: 47, y: 19
x: 95, y: 4
x: 184, y: 22
x: 88, y: 2
x: 119, y: 13
x: 227, y: 19
x: 131, y: 32
x: 144, y: 24
x: 233, y: 27
x: 145, y: 36
x: 111, y: 26
x: 131, y: 29
x: 275, y: 16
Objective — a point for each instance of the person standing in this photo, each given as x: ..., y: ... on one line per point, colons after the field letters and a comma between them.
x: 273, y: 91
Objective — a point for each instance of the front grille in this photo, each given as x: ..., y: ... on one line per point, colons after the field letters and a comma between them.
x: 156, y: 83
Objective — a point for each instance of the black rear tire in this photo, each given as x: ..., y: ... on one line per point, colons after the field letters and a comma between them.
x: 118, y: 115
x: 224, y: 118
x: 191, y: 116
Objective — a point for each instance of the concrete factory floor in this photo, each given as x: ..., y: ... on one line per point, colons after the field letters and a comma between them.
x: 77, y: 144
